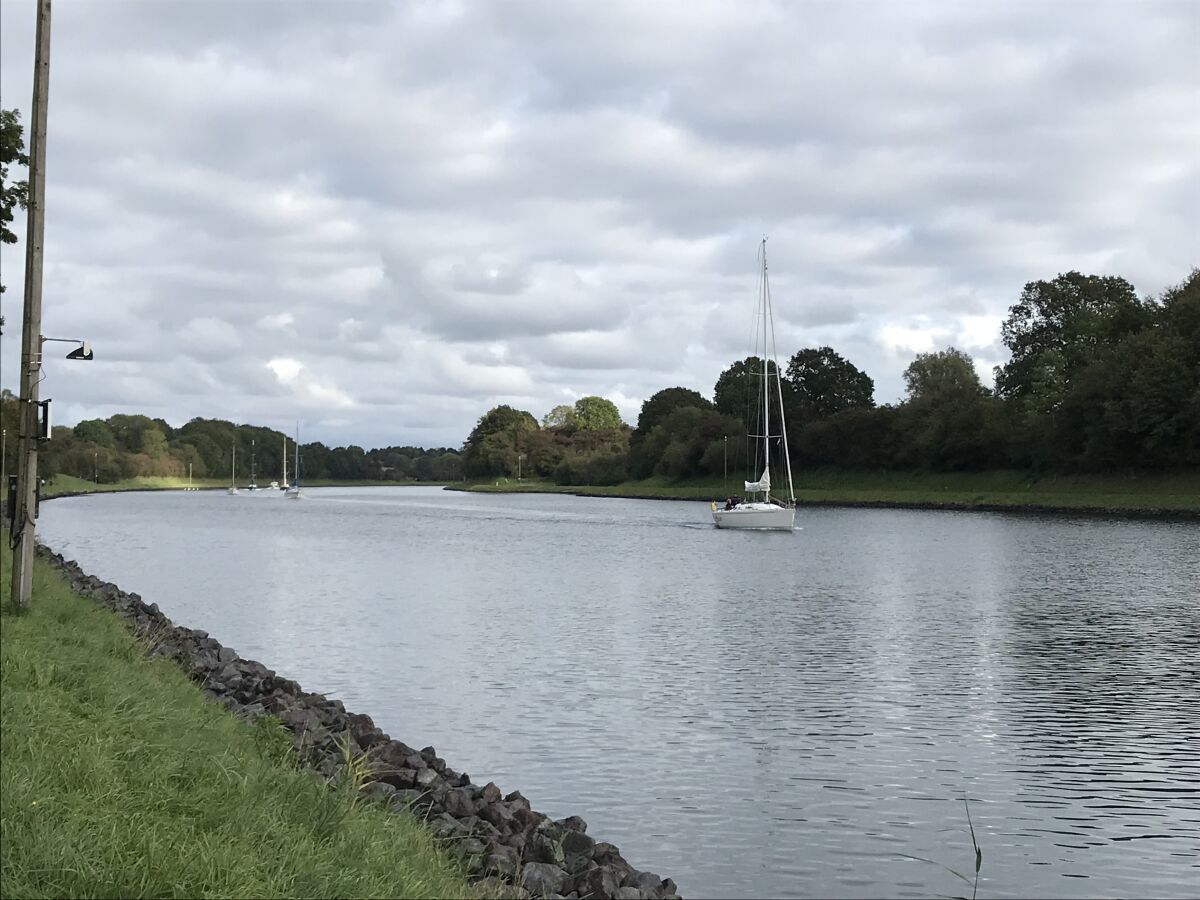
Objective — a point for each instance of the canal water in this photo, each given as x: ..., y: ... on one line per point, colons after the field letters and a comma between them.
x: 751, y: 714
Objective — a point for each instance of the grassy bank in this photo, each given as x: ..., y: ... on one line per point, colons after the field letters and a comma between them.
x: 1178, y: 492
x: 120, y: 779
x: 69, y: 484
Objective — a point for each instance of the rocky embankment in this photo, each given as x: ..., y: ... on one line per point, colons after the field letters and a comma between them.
x: 510, y: 847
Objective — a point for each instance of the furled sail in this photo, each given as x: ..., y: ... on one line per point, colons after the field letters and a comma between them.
x: 763, y: 484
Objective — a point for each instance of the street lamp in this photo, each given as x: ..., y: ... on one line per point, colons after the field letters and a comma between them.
x: 95, y: 467
x: 520, y: 456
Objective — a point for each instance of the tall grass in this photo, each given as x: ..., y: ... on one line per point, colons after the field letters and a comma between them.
x: 119, y: 779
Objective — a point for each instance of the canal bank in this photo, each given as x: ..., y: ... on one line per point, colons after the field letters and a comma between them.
x: 1144, y: 495
x: 504, y: 847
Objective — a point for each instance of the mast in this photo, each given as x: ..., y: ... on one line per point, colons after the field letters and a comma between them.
x: 285, y: 460
x: 787, y: 458
x: 297, y: 466
x: 233, y: 468
x: 766, y: 379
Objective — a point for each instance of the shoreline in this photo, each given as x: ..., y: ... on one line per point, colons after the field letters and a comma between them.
x: 507, y: 844
x: 1159, y: 513
x: 1104, y: 507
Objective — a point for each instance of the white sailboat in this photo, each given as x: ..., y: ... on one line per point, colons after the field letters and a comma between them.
x: 233, y: 473
x: 283, y: 485
x: 253, y: 485
x: 292, y: 491
x: 759, y: 509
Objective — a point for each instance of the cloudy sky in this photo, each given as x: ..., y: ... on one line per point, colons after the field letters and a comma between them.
x: 384, y: 218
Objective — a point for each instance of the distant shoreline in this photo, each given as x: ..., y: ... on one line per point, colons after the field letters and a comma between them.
x: 986, y: 492
x: 1183, y: 503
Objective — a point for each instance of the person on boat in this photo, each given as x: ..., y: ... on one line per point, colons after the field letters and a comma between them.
x: 728, y: 503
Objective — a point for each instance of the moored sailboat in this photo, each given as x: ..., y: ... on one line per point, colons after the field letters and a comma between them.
x: 292, y: 491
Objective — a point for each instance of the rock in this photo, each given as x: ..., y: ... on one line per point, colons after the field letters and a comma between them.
x: 542, y: 848
x: 598, y: 882
x: 502, y: 861
x: 517, y: 800
x: 459, y: 803
x: 445, y: 826
x: 628, y: 893
x: 226, y: 654
x: 379, y: 791
x: 542, y: 879
x: 490, y: 793
x: 427, y: 777
x: 499, y: 814
x: 647, y: 882
x: 578, y: 843
x: 572, y: 823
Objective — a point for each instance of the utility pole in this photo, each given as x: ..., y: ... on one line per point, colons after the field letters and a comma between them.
x: 31, y: 344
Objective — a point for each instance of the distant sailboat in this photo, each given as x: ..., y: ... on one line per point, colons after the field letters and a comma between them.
x: 292, y: 492
x: 283, y: 485
x: 253, y: 485
x: 233, y: 473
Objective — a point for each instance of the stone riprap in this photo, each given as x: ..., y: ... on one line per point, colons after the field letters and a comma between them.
x: 509, y: 847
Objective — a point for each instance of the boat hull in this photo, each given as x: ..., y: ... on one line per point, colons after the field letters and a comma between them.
x: 755, y: 515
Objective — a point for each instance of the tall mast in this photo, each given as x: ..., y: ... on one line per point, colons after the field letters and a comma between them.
x: 766, y: 379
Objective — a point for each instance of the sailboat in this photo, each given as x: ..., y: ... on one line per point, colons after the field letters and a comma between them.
x: 283, y: 485
x: 253, y: 485
x: 759, y: 509
x: 233, y: 473
x: 292, y: 492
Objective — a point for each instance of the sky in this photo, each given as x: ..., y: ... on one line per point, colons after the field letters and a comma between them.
x: 381, y: 219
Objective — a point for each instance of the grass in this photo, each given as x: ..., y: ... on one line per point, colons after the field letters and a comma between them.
x: 1171, y: 492
x: 120, y: 780
x: 63, y: 484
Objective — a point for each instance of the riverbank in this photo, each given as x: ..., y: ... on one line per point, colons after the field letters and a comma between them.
x: 68, y: 485
x: 1167, y: 495
x: 122, y: 778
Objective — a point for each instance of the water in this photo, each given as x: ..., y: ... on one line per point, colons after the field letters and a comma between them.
x: 752, y: 714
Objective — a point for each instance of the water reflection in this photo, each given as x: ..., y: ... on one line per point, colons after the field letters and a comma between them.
x: 754, y: 715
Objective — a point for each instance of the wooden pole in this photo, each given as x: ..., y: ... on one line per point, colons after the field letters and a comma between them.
x: 31, y: 343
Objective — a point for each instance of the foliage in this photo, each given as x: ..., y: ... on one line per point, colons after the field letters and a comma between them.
x: 596, y: 414
x: 823, y: 382
x: 943, y: 375
x: 644, y: 453
x: 12, y: 194
x: 499, y: 438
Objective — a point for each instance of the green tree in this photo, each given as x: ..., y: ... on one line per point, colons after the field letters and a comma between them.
x: 823, y: 382
x: 950, y: 421
x: 13, y: 194
x: 737, y: 388
x: 942, y: 375
x: 495, y: 442
x: 644, y: 455
x: 1058, y: 327
x: 596, y: 414
x: 562, y: 416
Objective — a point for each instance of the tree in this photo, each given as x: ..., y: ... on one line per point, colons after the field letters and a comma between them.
x: 15, y: 194
x: 823, y: 383
x: 495, y: 442
x: 596, y: 414
x: 737, y: 388
x: 562, y: 416
x: 942, y: 375
x: 1058, y: 327
x: 644, y: 459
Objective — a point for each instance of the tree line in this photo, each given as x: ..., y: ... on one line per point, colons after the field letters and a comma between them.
x: 1098, y: 380
x: 129, y: 446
